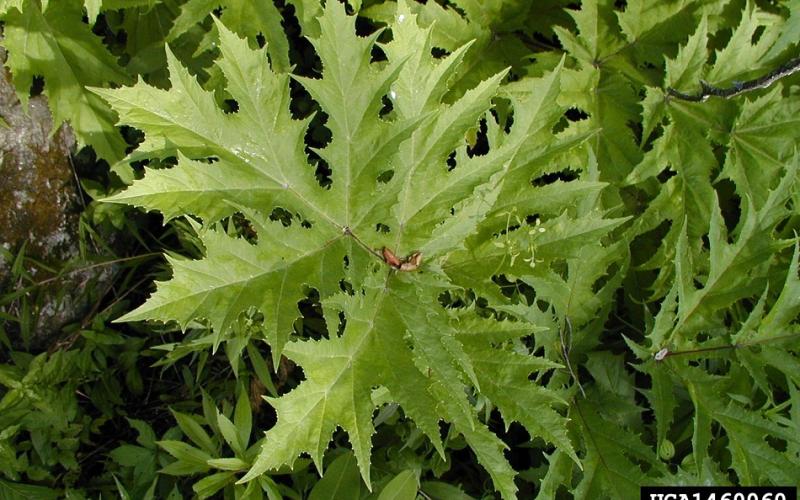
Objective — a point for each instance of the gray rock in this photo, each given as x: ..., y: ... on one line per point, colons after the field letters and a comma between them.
x: 40, y: 206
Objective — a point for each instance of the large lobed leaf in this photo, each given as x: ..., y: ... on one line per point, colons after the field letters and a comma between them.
x: 390, y: 186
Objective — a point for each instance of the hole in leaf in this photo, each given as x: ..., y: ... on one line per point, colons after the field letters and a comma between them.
x: 727, y: 319
x: 551, y: 41
x: 480, y: 145
x: 546, y: 377
x: 602, y: 280
x: 560, y: 126
x: 757, y: 34
x: 244, y: 228
x: 133, y: 137
x: 448, y: 299
x: 385, y: 176
x: 302, y: 56
x: 377, y: 54
x: 645, y: 245
x: 515, y: 289
x: 322, y: 171
x: 565, y: 175
x: 509, y: 229
x: 439, y: 53
x: 342, y: 324
x: 730, y: 203
x: 37, y: 85
x: 518, y: 455
x: 230, y: 106
x: 777, y: 444
x: 457, y: 8
x: 388, y: 107
x: 345, y: 286
x: 382, y: 228
x: 364, y: 25
x: 311, y: 324
x: 282, y: 215
x: 666, y: 175
x: 289, y: 375
x: 560, y: 267
x: 317, y: 137
x: 451, y: 161
x: 507, y: 120
x: 457, y: 299
x: 576, y: 114
x: 532, y: 219
x: 301, y: 104
x: 159, y: 164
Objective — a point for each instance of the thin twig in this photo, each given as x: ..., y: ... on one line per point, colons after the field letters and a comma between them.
x: 347, y: 231
x: 665, y: 353
x: 565, y: 352
x: 93, y: 266
x: 737, y: 88
x: 78, y: 187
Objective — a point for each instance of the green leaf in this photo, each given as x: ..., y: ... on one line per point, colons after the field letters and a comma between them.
x: 261, y: 370
x: 735, y: 269
x: 488, y: 28
x: 229, y: 464
x: 608, y: 469
x: 339, y: 376
x: 209, y: 485
x: 131, y: 456
x: 307, y: 12
x: 597, y: 28
x: 93, y: 9
x: 248, y: 18
x: 6, y: 5
x: 753, y: 459
x: 438, y: 490
x: 403, y: 486
x: 123, y: 493
x: 147, y: 437
x: 791, y: 30
x: 231, y: 434
x: 504, y: 378
x: 194, y: 431
x: 684, y: 71
x: 744, y: 45
x: 243, y: 417
x: 12, y: 491
x: 190, y: 459
x: 559, y: 471
x: 757, y: 138
x: 341, y: 480
x: 71, y: 58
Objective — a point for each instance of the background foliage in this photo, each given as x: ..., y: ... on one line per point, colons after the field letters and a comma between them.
x: 608, y: 294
